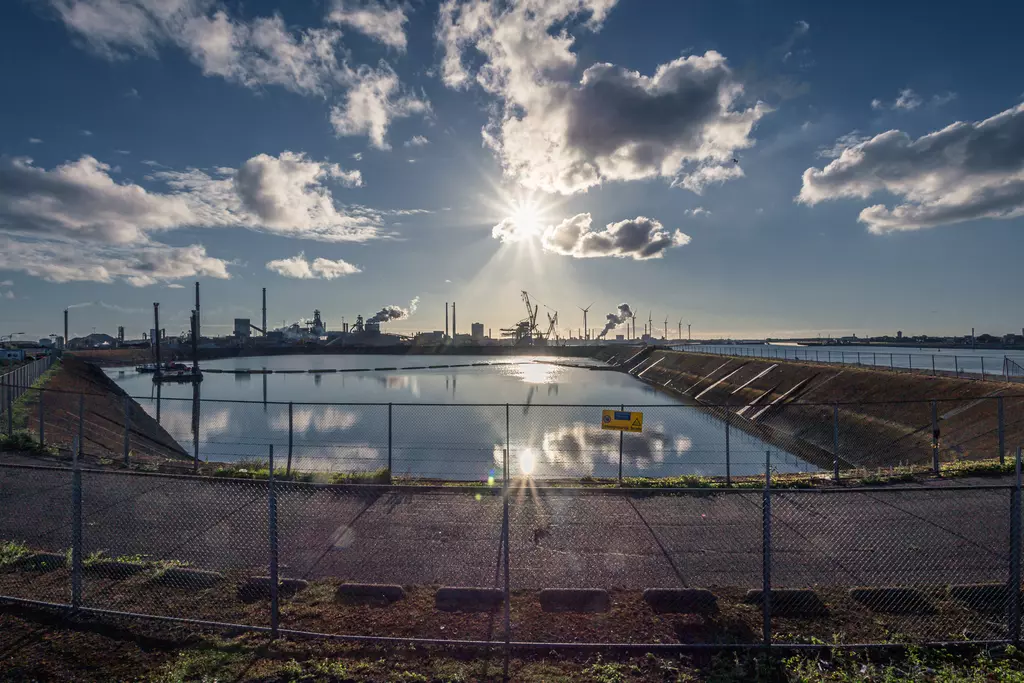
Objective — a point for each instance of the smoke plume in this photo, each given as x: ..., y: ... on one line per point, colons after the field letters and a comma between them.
x: 389, y: 313
x: 616, y: 319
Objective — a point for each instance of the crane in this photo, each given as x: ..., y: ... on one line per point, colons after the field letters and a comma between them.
x: 531, y: 314
x: 586, y: 330
x: 552, y: 322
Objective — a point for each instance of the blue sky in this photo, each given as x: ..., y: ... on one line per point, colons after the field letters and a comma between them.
x: 753, y: 168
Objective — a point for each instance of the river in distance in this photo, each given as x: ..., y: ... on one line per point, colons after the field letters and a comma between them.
x: 450, y: 423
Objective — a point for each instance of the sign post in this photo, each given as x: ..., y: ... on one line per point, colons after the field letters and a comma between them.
x: 622, y: 421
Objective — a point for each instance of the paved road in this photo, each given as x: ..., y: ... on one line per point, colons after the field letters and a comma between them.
x: 557, y: 538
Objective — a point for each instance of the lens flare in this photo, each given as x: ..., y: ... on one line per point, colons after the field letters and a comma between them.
x: 527, y: 461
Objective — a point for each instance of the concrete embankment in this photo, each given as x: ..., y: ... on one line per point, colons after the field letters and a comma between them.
x: 102, y: 407
x: 884, y: 418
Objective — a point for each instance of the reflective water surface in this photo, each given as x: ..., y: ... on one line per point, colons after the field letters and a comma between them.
x: 450, y: 422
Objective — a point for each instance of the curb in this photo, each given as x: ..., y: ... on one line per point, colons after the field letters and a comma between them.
x: 468, y: 599
x: 893, y: 600
x: 786, y: 602
x: 575, y: 600
x: 369, y: 592
x: 681, y: 600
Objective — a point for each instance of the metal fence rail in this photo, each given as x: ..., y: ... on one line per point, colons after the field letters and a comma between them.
x: 15, y: 382
x: 469, y: 442
x: 970, y: 366
x: 848, y: 566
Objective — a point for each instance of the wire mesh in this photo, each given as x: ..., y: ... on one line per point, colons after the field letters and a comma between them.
x: 174, y: 546
x: 892, y: 565
x: 417, y: 539
x: 35, y: 533
x: 462, y: 442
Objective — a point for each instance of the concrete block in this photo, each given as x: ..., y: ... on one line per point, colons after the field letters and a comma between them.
x: 575, y: 600
x: 455, y: 599
x: 258, y: 587
x: 893, y: 600
x: 681, y: 600
x: 790, y: 602
x: 982, y: 597
x: 369, y: 592
x: 187, y: 578
x: 43, y: 562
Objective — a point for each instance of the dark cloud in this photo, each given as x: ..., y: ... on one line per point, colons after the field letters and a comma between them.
x: 639, y: 238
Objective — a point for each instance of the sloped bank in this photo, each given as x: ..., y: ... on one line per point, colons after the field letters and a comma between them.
x: 882, y: 418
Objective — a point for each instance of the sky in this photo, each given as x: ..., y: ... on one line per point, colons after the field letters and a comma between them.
x: 755, y: 169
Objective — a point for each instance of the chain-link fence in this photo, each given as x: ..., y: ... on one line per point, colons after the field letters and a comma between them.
x: 389, y: 442
x: 993, y: 366
x: 519, y: 563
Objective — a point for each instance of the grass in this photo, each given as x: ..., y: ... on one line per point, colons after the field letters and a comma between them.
x: 27, y: 404
x: 350, y: 663
x: 100, y: 557
x: 24, y: 442
x: 11, y: 552
x: 260, y: 469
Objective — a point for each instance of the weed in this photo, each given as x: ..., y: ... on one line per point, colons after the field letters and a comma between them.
x: 13, y: 551
x: 23, y: 442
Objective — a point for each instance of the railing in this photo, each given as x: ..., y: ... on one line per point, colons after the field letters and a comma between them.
x: 468, y: 442
x: 14, y: 382
x: 819, y: 568
x: 945, y: 364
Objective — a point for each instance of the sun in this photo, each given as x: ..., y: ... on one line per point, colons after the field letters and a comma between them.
x: 528, y: 216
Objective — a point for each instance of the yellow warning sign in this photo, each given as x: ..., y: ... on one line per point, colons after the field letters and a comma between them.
x: 622, y: 420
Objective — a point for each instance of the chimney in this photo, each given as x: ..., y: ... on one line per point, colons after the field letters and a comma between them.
x: 65, y: 327
x: 445, y: 319
x: 453, y: 321
x: 264, y: 311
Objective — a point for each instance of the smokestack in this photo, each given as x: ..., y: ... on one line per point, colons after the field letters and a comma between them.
x: 197, y: 312
x: 453, y: 321
x: 264, y: 311
x: 65, y: 327
x: 156, y: 329
x: 445, y: 319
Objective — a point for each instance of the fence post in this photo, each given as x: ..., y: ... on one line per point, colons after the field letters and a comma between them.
x: 933, y: 364
x: 956, y: 365
x: 272, y: 531
x: 766, y: 541
x: 127, y: 429
x: 10, y: 405
x: 728, y: 461
x: 389, y: 442
x: 1002, y: 431
x: 505, y: 543
x: 42, y: 420
x: 835, y: 440
x: 81, y: 425
x: 1013, y: 592
x: 76, y: 526
x: 288, y: 470
x: 623, y: 408
x: 935, y: 438
x: 858, y: 358
x: 910, y: 362
x: 892, y: 364
x: 983, y: 368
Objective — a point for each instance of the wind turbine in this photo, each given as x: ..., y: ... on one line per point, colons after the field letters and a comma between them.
x: 586, y: 330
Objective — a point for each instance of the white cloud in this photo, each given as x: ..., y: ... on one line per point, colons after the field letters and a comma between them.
x: 138, y: 265
x: 35, y: 141
x: 175, y: 285
x: 699, y: 211
x: 87, y: 133
x: 962, y: 172
x: 907, y: 100
x: 122, y: 151
x: 298, y: 267
x: 358, y: 156
x: 132, y: 94
x: 383, y: 22
x: 417, y: 141
x: 8, y: 294
x: 877, y: 104
x: 374, y: 100
x: 684, y: 122
x: 7, y: 283
x: 640, y: 238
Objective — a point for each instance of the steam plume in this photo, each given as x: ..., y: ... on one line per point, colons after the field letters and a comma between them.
x: 616, y: 319
x: 389, y: 313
